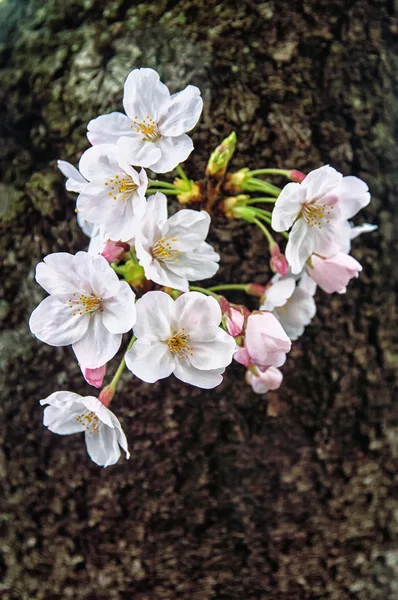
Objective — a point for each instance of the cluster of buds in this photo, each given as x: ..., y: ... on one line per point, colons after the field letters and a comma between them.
x: 136, y: 275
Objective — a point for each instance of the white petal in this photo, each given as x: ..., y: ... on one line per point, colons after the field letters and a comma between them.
x: 107, y: 129
x: 99, y: 162
x: 174, y: 150
x: 215, y: 352
x: 96, y: 275
x: 154, y: 218
x: 56, y: 275
x: 138, y: 151
x: 145, y: 94
x: 195, y: 312
x: 159, y: 272
x: 75, y: 181
x: 102, y: 447
x: 353, y: 196
x: 149, y: 360
x: 63, y: 422
x: 183, y: 113
x: 278, y: 293
x: 300, y: 245
x: 100, y: 410
x: 287, y: 207
x: 197, y: 265
x: 98, y: 345
x: 297, y: 314
x: 154, y: 311
x: 202, y: 379
x: 55, y: 323
x: 119, y: 314
x: 307, y: 284
x: 320, y: 182
x: 364, y: 228
x: 189, y: 227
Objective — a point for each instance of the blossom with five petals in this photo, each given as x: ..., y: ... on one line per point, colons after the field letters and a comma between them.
x: 115, y: 193
x: 172, y: 250
x: 88, y: 307
x: 293, y: 306
x: 264, y: 381
x: 265, y: 342
x: 317, y: 208
x: 182, y: 337
x: 68, y: 413
x: 153, y: 130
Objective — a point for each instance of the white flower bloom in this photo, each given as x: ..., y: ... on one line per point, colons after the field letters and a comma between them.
x: 115, y: 193
x: 153, y: 131
x: 88, y: 307
x: 181, y: 337
x: 293, y: 306
x: 69, y: 413
x: 317, y: 209
x: 173, y: 251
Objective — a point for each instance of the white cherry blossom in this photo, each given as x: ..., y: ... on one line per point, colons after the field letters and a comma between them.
x: 172, y: 250
x: 293, y: 306
x: 317, y: 208
x: 88, y: 307
x: 182, y: 337
x: 67, y: 413
x: 333, y: 274
x: 115, y: 193
x: 153, y: 130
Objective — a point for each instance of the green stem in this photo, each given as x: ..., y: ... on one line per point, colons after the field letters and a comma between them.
x: 253, y: 184
x: 119, y: 270
x: 166, y: 191
x: 157, y: 183
x: 259, y: 200
x: 284, y: 172
x: 195, y: 288
x: 182, y: 174
x: 261, y: 211
x: 265, y: 231
x: 121, y: 366
x: 229, y: 286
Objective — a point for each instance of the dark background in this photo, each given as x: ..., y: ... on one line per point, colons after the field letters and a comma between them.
x: 228, y: 495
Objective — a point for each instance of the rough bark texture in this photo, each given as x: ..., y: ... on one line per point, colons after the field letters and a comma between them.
x: 227, y: 495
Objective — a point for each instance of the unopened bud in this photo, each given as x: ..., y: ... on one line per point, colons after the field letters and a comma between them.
x: 278, y: 262
x: 297, y: 176
x: 221, y: 156
x: 234, y: 182
x: 94, y: 377
x: 134, y: 274
x: 106, y: 395
x: 113, y: 251
x: 190, y: 191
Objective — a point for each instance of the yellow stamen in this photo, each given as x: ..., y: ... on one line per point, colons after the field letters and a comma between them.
x: 179, y: 344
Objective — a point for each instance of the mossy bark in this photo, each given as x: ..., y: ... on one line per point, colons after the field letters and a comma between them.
x: 227, y: 495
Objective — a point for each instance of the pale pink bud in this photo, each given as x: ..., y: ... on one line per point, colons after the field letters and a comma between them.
x: 94, y: 377
x: 263, y: 382
x: 278, y: 262
x: 255, y: 289
x: 333, y: 274
x: 235, y: 321
x: 297, y: 176
x: 265, y: 343
x: 106, y: 395
x: 112, y: 251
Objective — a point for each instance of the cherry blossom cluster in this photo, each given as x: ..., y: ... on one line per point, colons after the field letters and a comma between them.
x: 136, y: 275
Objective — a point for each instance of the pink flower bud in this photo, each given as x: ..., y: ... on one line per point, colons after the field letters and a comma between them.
x: 94, y: 377
x: 278, y: 262
x: 263, y: 382
x: 112, y: 251
x: 333, y: 274
x: 235, y: 321
x: 106, y: 395
x: 297, y: 176
x: 265, y: 342
x: 256, y: 289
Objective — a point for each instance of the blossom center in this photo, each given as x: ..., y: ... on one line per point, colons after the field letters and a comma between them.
x: 90, y: 421
x: 122, y: 187
x: 163, y: 250
x: 148, y: 127
x: 179, y: 344
x: 82, y: 303
x: 317, y: 215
